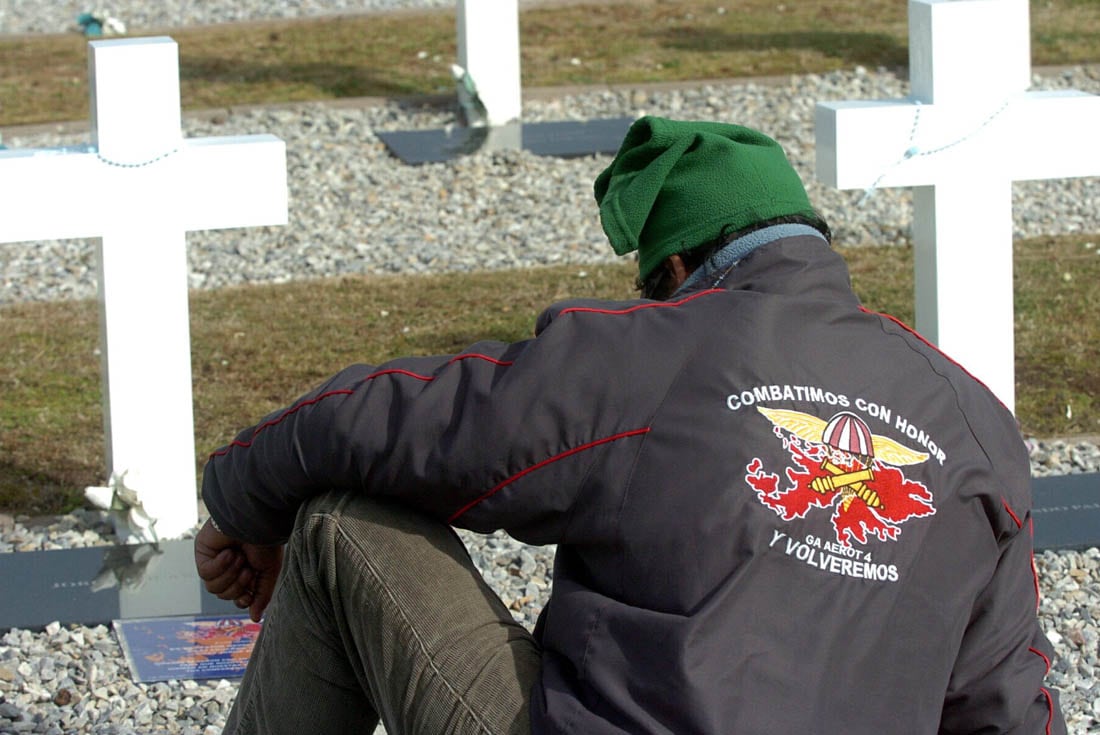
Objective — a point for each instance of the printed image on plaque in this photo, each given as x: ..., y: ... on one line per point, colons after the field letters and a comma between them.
x: 187, y: 646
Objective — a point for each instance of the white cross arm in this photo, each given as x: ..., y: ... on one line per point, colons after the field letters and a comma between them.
x: 60, y: 193
x: 1038, y: 135
x: 253, y: 194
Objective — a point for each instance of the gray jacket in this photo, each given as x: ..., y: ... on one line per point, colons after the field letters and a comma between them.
x: 775, y: 511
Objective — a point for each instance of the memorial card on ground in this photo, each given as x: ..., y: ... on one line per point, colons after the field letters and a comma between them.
x: 187, y: 646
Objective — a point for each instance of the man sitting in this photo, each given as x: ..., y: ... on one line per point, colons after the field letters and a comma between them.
x: 775, y: 511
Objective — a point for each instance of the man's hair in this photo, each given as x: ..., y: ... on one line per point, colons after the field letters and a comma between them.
x: 697, y: 256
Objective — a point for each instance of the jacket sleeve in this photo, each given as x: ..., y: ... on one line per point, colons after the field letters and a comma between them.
x: 997, y: 684
x: 499, y: 436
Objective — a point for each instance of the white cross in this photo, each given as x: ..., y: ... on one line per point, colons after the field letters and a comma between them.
x: 488, y: 49
x: 967, y: 132
x: 140, y: 186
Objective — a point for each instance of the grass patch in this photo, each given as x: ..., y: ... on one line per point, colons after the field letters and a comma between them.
x: 1058, y: 335
x: 44, y: 78
x: 256, y: 348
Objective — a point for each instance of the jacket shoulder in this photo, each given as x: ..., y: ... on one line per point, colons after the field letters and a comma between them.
x: 615, y: 308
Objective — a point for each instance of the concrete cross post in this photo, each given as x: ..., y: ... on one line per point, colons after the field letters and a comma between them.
x: 140, y: 186
x: 488, y: 49
x: 968, y: 130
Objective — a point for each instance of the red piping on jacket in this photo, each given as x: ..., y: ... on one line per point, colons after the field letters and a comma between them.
x: 919, y: 336
x: 1050, y: 707
x: 1031, y: 531
x: 478, y: 356
x: 550, y: 460
x: 1041, y: 655
x: 639, y: 307
x: 344, y: 392
x: 1034, y: 569
x: 1019, y: 523
x: 283, y: 416
x: 1037, y: 652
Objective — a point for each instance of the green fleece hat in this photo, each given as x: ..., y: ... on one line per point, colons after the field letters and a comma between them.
x: 676, y: 185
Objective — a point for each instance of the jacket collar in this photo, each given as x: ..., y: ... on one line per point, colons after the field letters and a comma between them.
x: 735, y: 250
x: 801, y: 264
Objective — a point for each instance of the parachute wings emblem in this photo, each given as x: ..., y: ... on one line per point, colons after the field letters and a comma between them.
x: 802, y: 425
x: 812, y: 429
x: 891, y: 452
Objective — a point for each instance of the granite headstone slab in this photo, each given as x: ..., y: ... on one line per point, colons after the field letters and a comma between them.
x: 95, y: 585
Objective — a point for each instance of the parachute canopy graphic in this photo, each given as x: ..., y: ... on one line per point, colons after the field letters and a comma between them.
x: 848, y: 433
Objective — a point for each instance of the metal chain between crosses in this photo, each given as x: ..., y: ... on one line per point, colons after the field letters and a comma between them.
x: 140, y: 164
x: 914, y: 151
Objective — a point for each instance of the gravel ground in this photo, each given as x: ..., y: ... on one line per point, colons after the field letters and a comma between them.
x: 355, y: 209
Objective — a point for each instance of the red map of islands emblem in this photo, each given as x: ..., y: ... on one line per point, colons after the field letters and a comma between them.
x: 840, y: 465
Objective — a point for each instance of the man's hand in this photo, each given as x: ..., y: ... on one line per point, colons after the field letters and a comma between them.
x: 238, y: 571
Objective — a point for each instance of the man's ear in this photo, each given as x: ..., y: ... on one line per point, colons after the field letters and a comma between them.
x: 677, y: 270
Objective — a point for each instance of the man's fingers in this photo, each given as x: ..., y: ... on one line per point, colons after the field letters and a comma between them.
x: 265, y: 589
x: 233, y: 583
x: 255, y: 612
x: 235, y: 592
x: 220, y: 571
x: 213, y: 566
x: 242, y: 585
x: 244, y: 573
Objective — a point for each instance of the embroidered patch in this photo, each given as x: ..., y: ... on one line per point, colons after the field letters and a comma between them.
x: 840, y: 465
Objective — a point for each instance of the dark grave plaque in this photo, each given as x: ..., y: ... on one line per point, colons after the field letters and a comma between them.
x: 96, y: 585
x: 1066, y: 511
x: 564, y: 139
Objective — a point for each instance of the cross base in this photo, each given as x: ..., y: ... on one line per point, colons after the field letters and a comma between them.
x: 1066, y: 509
x: 96, y: 585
